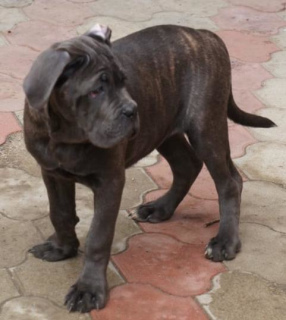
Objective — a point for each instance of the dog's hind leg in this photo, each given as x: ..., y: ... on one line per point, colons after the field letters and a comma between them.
x: 63, y: 243
x: 210, y: 141
x: 185, y: 167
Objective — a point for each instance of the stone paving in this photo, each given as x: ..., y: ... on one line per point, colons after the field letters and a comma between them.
x: 157, y: 271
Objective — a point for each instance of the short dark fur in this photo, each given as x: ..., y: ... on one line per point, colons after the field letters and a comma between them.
x: 85, y: 104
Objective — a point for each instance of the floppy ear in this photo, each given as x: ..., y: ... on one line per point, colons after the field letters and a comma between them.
x: 101, y: 32
x: 41, y: 79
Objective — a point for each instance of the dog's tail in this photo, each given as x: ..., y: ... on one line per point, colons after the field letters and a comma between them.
x: 246, y: 119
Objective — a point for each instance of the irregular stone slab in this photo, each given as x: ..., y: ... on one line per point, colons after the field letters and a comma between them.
x: 261, y: 244
x: 16, y: 61
x: 275, y: 134
x: 122, y: 28
x: 52, y: 280
x: 59, y: 12
x: 16, y: 238
x: 138, y: 301
x: 248, y: 47
x: 8, y: 125
x: 125, y: 227
x: 273, y: 93
x: 10, y: 17
x: 35, y: 308
x: 144, y: 10
x: 22, y: 197
x: 137, y: 183
x: 244, y: 296
x: 3, y: 41
x: 176, y: 268
x: 280, y: 39
x: 13, y: 154
x: 264, y: 203
x: 263, y: 5
x: 8, y: 289
x: 188, y: 223
x: 247, y: 101
x: 20, y: 116
x: 248, y: 76
x: 149, y: 160
x: 247, y: 19
x: 15, y: 3
x: 11, y: 94
x: 264, y: 161
x: 39, y: 35
x: 277, y: 64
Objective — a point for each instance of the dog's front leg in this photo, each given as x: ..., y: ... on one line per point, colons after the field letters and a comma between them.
x: 63, y: 244
x: 90, y: 291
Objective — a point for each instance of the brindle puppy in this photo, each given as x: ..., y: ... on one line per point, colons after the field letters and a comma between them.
x: 86, y: 101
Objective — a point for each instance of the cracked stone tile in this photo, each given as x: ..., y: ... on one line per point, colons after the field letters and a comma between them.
x: 122, y: 28
x: 59, y: 12
x: 264, y: 161
x: 13, y: 154
x: 246, y: 296
x: 247, y: 19
x: 143, y: 302
x: 280, y: 39
x: 28, y: 193
x: 264, y: 203
x: 275, y: 134
x: 273, y: 93
x: 176, y: 268
x: 39, y: 35
x: 52, y: 280
x: 15, y: 3
x: 16, y: 237
x: 144, y: 10
x: 9, y: 17
x: 8, y: 290
x: 277, y: 64
x: 149, y: 160
x: 262, y: 252
x: 11, y: 94
x: 35, y: 308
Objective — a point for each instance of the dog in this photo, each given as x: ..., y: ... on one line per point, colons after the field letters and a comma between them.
x: 93, y: 109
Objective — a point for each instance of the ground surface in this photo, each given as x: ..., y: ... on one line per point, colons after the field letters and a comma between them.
x: 157, y: 271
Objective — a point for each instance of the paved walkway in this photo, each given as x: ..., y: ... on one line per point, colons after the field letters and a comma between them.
x: 157, y: 271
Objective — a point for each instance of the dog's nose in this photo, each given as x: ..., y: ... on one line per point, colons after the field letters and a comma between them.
x: 130, y: 110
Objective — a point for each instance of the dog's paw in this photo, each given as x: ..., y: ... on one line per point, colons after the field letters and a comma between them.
x: 153, y: 212
x: 220, y: 249
x: 83, y: 300
x: 50, y: 252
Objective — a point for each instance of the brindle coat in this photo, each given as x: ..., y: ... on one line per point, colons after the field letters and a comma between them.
x: 93, y: 110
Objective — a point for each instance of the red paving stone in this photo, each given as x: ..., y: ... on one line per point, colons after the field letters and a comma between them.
x: 59, y: 12
x: 248, y: 47
x: 8, y: 125
x: 247, y: 101
x: 247, y: 19
x: 11, y: 94
x: 188, y: 223
x: 176, y: 268
x: 39, y: 35
x: 248, y: 76
x: 263, y: 5
x: 16, y: 61
x: 144, y: 302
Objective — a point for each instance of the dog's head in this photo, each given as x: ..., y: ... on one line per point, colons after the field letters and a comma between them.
x: 80, y: 87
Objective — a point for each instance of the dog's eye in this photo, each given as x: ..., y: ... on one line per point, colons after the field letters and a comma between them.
x: 95, y: 93
x: 104, y: 77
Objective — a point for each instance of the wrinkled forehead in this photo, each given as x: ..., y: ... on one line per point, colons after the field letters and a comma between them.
x: 95, y: 51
